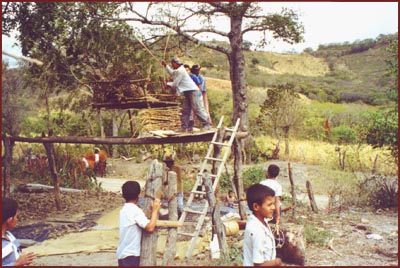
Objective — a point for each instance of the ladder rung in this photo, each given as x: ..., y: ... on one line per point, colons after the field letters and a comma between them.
x: 220, y: 143
x: 214, y: 159
x: 229, y: 129
x: 187, y: 234
x: 194, y: 211
x: 211, y: 175
x: 198, y: 192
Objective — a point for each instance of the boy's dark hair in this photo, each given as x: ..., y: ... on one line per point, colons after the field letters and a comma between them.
x: 130, y: 190
x: 273, y: 171
x: 9, y: 208
x: 257, y: 194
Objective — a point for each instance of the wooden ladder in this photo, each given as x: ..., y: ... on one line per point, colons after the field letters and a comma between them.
x: 217, y: 141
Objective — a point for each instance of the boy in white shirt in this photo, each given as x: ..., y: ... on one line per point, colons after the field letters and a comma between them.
x: 259, y: 242
x: 271, y: 174
x: 131, y: 222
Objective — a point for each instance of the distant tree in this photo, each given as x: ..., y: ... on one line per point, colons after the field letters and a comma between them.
x: 255, y: 61
x: 282, y: 110
x: 15, y: 101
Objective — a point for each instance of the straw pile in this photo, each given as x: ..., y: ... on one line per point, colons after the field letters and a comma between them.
x: 167, y: 118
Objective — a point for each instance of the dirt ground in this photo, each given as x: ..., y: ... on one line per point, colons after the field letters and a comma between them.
x: 359, y: 238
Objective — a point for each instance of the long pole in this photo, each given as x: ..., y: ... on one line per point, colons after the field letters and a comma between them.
x: 35, y: 61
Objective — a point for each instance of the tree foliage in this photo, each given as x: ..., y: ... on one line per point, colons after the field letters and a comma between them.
x: 282, y: 110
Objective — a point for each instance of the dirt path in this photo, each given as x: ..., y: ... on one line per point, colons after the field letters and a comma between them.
x: 360, y: 238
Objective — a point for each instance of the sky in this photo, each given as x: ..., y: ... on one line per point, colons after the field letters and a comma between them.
x: 324, y: 23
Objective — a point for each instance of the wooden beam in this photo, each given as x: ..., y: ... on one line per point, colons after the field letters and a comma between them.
x: 181, y: 138
x: 135, y: 104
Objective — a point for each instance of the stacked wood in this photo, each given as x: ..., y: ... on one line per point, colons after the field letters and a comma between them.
x: 168, y: 118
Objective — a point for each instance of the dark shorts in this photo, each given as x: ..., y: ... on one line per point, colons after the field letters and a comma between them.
x: 129, y: 261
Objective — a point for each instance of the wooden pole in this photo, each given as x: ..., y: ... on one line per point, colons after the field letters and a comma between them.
x: 148, y: 254
x: 292, y: 191
x: 50, y: 158
x: 102, y: 135
x: 217, y: 225
x: 8, y: 148
x: 311, y: 197
x: 170, y: 247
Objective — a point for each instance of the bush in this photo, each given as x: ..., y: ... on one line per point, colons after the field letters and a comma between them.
x: 378, y: 191
x: 252, y: 175
x: 343, y: 135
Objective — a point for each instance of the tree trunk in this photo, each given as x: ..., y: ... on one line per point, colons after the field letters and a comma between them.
x: 6, y: 163
x: 148, y: 254
x: 286, y: 135
x: 240, y: 106
x: 53, y: 172
x: 170, y: 247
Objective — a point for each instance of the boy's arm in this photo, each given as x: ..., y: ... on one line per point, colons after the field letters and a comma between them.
x: 274, y: 262
x: 155, y: 205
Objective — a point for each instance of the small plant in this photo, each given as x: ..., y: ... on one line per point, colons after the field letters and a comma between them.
x: 316, y: 236
x: 252, y: 175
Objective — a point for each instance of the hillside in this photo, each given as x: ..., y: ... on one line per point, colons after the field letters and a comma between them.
x: 335, y: 73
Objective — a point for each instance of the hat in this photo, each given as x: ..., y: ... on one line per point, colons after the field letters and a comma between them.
x: 196, y: 67
x: 176, y: 60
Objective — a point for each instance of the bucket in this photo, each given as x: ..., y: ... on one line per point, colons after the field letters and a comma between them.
x: 231, y: 228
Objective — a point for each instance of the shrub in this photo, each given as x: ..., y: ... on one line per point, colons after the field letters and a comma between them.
x: 315, y: 235
x: 343, y: 135
x: 252, y: 175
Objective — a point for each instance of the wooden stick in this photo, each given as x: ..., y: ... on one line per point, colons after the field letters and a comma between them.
x: 174, y: 224
x: 148, y: 50
x: 35, y: 61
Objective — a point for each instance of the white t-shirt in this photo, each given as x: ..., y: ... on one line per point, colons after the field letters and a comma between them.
x: 259, y: 242
x: 131, y: 221
x: 182, y: 81
x: 274, y: 185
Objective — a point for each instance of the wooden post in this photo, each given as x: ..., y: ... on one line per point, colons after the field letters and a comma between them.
x: 292, y: 191
x: 130, y: 121
x: 170, y: 247
x: 8, y: 148
x: 50, y: 158
x: 102, y: 135
x: 311, y: 197
x: 148, y: 255
x: 217, y: 225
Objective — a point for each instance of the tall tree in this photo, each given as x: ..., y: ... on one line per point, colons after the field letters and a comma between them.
x: 193, y: 20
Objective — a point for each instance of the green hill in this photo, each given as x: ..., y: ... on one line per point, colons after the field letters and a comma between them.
x: 349, y: 72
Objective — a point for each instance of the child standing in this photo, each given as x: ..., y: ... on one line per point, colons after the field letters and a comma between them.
x: 271, y: 174
x: 259, y: 242
x: 10, y: 247
x: 131, y: 222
